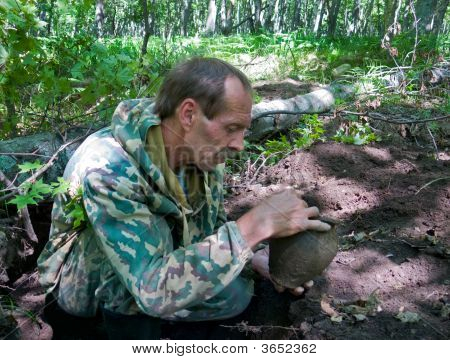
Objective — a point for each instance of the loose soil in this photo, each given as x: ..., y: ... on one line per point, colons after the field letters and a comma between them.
x: 394, y: 238
x: 394, y: 242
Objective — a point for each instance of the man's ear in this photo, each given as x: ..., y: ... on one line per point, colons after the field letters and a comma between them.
x: 187, y: 113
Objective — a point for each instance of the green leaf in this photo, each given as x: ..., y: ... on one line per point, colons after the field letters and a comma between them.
x: 60, y: 187
x: 123, y: 57
x: 355, y: 310
x: 357, y: 140
x: 22, y: 201
x: 124, y: 75
x: 360, y: 317
x: 39, y: 187
x: 28, y: 166
x: 77, y: 71
x: 28, y: 60
x: 77, y: 215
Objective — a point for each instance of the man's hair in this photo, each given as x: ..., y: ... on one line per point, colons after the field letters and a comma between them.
x: 201, y: 79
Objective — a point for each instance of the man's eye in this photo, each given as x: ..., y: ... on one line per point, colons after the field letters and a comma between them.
x: 231, y: 129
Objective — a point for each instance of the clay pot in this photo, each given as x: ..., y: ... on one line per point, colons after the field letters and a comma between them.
x: 297, y: 259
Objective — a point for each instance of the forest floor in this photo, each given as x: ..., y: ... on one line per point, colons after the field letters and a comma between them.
x: 394, y: 246
x: 390, y: 278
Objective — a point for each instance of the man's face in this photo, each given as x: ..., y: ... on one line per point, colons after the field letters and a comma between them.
x: 213, y: 140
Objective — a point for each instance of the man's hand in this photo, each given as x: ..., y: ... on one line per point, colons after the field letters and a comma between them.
x: 260, y: 263
x: 280, y: 215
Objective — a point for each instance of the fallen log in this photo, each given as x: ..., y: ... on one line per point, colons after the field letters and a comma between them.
x: 437, y: 75
x: 277, y: 115
x: 42, y: 147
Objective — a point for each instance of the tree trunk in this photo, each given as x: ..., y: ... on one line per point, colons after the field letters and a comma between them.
x: 366, y: 19
x: 146, y: 28
x: 100, y: 17
x: 356, y: 17
x: 226, y: 15
x: 258, y: 7
x: 230, y: 11
x: 333, y: 13
x: 347, y: 26
x: 391, y: 10
x: 431, y: 14
x: 223, y: 16
x: 152, y: 17
x: 379, y: 19
x: 319, y: 17
x: 442, y: 9
x: 51, y: 12
x: 238, y: 15
x: 277, y: 14
x: 270, y: 15
x: 211, y: 20
x: 282, y: 13
x: 296, y: 16
x: 11, y: 116
x: 308, y: 17
x: 113, y: 21
x: 186, y: 16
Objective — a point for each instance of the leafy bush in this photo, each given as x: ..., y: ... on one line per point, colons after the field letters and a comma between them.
x: 356, y: 134
x: 31, y: 192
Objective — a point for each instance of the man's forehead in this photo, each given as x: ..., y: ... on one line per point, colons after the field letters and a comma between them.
x: 235, y: 91
x: 232, y: 118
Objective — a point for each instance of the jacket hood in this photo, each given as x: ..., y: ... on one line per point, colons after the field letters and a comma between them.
x: 130, y: 123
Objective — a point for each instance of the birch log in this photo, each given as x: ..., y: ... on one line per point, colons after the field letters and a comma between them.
x: 315, y: 102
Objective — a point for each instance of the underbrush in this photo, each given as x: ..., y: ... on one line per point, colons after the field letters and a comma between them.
x: 55, y: 83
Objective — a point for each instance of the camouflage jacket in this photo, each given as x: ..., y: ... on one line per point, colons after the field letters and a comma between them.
x: 146, y: 246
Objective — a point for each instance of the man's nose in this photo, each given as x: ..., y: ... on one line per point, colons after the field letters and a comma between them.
x: 237, y: 144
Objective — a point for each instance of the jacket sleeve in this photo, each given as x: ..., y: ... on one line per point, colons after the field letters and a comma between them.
x: 161, y: 280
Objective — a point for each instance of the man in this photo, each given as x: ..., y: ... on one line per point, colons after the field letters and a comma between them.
x: 156, y: 243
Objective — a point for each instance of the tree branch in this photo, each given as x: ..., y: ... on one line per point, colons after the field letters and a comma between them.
x: 23, y: 154
x: 276, y: 112
x: 372, y: 115
x: 381, y: 117
x: 43, y: 169
x: 23, y: 213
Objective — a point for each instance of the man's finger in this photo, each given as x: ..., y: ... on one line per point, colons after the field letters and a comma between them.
x: 305, y: 204
x: 297, y: 291
x: 318, y: 225
x: 309, y: 284
x: 312, y: 212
